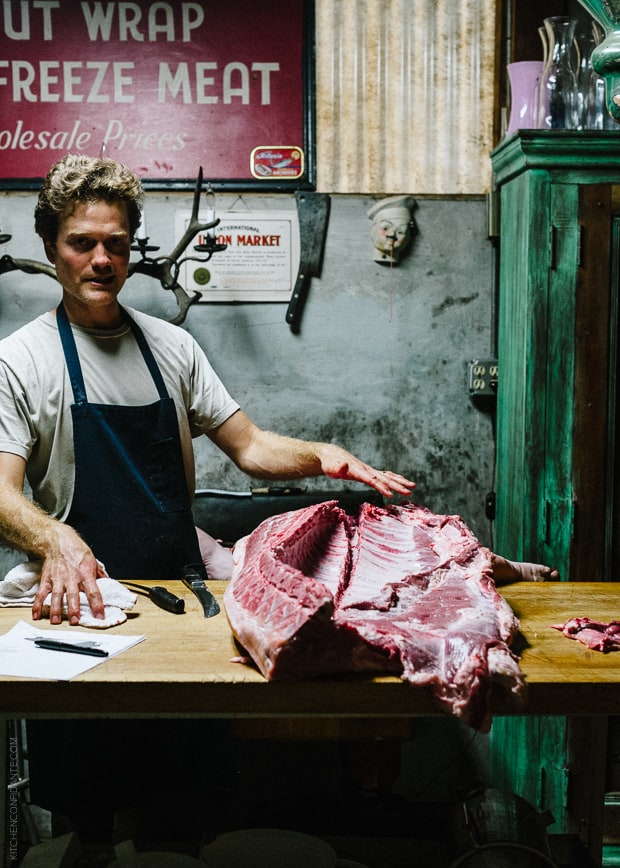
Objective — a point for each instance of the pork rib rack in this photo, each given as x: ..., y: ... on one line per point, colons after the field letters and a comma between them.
x: 396, y: 590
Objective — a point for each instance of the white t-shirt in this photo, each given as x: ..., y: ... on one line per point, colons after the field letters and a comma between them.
x: 36, y: 394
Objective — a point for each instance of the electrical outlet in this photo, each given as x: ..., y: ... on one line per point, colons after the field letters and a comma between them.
x: 482, y: 377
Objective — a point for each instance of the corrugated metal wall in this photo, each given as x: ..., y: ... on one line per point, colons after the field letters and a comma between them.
x: 405, y: 94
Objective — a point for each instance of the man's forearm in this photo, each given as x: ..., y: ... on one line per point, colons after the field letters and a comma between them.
x: 24, y: 525
x: 273, y: 456
x: 264, y: 454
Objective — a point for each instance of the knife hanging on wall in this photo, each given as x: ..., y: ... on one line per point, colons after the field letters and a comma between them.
x: 313, y: 216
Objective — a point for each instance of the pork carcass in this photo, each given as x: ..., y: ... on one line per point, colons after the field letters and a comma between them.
x: 396, y: 589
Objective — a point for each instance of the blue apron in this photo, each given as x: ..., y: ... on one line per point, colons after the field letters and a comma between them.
x: 132, y: 507
x: 130, y: 501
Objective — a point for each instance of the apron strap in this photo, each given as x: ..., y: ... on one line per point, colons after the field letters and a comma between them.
x: 73, y: 360
x: 71, y: 355
x: 149, y: 358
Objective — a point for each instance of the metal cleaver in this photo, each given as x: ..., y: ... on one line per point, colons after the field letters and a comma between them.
x: 313, y: 216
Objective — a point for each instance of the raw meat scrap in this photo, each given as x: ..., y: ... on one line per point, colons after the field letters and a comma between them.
x: 395, y: 590
x: 596, y: 635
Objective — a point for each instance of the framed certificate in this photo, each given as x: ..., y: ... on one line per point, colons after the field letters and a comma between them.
x: 259, y: 263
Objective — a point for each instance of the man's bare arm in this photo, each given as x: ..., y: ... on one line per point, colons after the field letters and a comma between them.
x: 266, y: 455
x: 68, y: 564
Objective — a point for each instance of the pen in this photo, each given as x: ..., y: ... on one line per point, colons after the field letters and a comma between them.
x: 56, y: 645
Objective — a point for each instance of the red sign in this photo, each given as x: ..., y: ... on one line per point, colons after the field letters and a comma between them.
x: 164, y: 87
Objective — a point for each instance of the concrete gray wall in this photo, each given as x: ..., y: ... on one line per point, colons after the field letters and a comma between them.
x: 379, y: 364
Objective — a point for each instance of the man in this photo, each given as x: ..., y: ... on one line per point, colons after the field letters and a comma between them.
x: 99, y: 405
x: 98, y: 408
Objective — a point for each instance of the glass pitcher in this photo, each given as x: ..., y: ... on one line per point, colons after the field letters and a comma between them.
x: 558, y: 94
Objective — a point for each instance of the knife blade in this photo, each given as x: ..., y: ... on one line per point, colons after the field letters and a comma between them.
x: 313, y: 214
x: 194, y: 579
x: 268, y: 490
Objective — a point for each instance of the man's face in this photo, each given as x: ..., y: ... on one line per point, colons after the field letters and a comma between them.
x: 91, y: 255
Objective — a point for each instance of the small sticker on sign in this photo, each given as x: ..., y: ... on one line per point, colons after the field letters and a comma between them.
x: 277, y: 162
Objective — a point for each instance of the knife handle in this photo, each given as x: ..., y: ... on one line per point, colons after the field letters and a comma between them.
x: 295, y: 306
x: 166, y: 600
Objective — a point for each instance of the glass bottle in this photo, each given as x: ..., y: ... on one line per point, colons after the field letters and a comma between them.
x: 588, y: 93
x: 538, y: 113
x: 558, y: 84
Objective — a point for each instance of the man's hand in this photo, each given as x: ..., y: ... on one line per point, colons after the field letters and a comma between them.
x: 68, y: 572
x: 69, y: 566
x: 337, y: 463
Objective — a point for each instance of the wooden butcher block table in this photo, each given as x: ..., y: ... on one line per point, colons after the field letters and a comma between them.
x: 185, y: 667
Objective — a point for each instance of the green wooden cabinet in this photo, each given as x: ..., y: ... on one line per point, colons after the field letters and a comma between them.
x: 556, y: 350
x: 556, y: 424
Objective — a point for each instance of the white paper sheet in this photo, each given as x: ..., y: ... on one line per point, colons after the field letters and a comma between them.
x: 20, y: 657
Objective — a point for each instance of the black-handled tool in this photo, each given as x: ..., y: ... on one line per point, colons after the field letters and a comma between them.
x: 161, y: 597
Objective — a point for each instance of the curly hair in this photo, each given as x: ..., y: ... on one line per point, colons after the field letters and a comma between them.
x: 78, y: 178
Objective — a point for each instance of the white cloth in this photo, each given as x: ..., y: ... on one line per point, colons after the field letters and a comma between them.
x: 22, y: 583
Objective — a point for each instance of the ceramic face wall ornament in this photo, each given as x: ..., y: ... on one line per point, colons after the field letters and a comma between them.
x: 392, y: 227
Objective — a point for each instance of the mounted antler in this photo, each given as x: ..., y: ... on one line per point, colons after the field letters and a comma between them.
x: 166, y: 269
x: 28, y: 266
